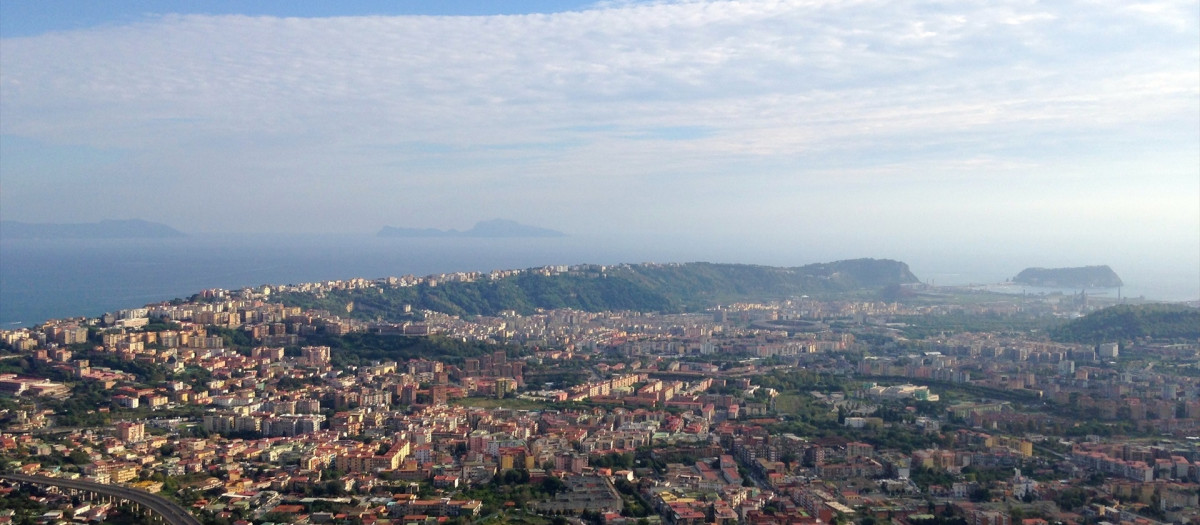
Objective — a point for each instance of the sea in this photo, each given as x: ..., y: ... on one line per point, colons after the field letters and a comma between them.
x: 54, y: 279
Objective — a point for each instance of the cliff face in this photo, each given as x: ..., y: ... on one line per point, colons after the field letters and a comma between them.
x: 1081, y: 277
x: 863, y: 273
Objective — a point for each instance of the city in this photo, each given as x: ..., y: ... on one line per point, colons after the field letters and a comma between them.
x: 599, y: 262
x: 243, y: 409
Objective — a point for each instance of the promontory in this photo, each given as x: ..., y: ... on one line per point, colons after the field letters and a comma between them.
x: 1080, y: 277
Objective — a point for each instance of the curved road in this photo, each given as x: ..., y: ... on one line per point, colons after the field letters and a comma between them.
x: 170, y: 512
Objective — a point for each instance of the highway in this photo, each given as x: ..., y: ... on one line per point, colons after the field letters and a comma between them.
x: 170, y: 512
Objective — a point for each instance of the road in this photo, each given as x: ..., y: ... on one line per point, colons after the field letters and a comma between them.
x: 170, y: 512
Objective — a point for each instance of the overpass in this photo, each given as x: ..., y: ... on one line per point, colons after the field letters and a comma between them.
x: 160, y: 509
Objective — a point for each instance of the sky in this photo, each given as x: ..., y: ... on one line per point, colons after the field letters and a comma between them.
x: 1060, y: 124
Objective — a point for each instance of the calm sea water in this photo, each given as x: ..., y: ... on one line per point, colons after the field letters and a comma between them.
x: 42, y: 280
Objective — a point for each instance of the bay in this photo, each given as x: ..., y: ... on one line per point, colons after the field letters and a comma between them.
x: 51, y: 279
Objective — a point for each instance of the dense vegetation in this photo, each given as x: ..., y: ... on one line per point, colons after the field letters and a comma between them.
x: 1083, y: 277
x: 660, y: 288
x: 1126, y: 323
x: 363, y: 348
x: 922, y: 326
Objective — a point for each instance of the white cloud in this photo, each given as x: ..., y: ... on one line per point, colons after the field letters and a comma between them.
x: 428, y: 109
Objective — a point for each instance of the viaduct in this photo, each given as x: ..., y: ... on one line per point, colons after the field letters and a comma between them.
x: 158, y: 508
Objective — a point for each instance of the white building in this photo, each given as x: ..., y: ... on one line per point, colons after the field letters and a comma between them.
x: 1109, y: 350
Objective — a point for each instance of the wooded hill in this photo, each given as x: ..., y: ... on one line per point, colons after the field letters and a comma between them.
x: 643, y: 287
x: 1082, y: 277
x: 1129, y: 322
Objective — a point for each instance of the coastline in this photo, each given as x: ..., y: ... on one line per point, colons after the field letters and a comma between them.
x: 41, y: 280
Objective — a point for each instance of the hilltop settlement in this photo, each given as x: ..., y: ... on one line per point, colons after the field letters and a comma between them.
x: 677, y: 394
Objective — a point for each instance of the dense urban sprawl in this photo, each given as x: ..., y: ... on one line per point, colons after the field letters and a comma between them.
x: 246, y: 410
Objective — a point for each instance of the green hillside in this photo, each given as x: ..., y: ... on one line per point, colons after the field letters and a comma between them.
x: 1082, y: 277
x: 1126, y: 322
x: 648, y: 287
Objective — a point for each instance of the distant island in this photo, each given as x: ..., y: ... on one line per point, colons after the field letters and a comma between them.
x: 495, y: 228
x: 109, y: 229
x: 1081, y: 277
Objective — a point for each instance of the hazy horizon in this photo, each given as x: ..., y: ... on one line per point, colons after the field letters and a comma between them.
x: 1069, y: 131
x: 979, y: 261
x: 46, y: 279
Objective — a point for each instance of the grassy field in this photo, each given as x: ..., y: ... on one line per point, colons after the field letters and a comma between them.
x: 789, y: 403
x: 513, y: 517
x: 802, y: 407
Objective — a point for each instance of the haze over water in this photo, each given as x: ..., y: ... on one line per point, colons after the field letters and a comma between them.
x: 41, y: 279
x: 970, y: 140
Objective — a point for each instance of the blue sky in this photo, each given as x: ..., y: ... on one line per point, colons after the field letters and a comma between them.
x: 869, y: 123
x: 33, y: 17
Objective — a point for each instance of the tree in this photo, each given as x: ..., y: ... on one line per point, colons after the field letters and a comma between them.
x: 552, y: 485
x: 1071, y: 498
x: 79, y: 457
x: 788, y: 458
x: 980, y: 494
x: 515, y: 477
